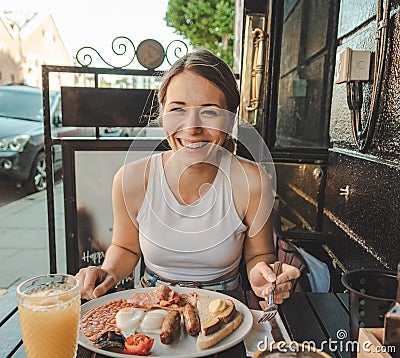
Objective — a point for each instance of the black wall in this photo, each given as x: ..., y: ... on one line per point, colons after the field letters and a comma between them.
x: 370, y: 217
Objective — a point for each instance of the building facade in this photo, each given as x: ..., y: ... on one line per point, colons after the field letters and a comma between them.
x: 27, y: 41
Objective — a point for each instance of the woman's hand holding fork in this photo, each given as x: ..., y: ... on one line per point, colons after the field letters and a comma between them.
x: 262, y: 278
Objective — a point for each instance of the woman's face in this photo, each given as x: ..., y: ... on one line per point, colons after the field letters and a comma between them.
x: 195, y: 116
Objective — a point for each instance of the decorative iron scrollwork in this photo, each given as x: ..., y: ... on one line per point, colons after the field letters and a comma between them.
x: 124, y: 47
x: 177, y: 49
x: 119, y: 47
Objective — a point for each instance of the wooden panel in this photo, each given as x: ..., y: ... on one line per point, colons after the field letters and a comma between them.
x: 371, y: 338
x: 334, y: 318
x: 8, y: 305
x: 20, y: 353
x: 10, y: 336
x: 344, y: 298
x: 303, y: 324
x: 105, y: 107
x: 236, y: 351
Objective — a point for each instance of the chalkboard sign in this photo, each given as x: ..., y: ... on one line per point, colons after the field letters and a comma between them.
x: 107, y: 107
x: 89, y: 169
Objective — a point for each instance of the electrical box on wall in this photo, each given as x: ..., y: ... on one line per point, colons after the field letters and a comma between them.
x: 298, y: 87
x: 352, y: 65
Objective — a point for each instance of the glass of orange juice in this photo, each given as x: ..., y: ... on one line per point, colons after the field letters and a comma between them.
x: 49, y: 312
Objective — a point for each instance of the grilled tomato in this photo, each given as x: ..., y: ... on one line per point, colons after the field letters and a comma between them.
x: 138, y: 344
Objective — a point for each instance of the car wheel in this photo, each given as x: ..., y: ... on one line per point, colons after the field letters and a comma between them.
x: 37, y: 179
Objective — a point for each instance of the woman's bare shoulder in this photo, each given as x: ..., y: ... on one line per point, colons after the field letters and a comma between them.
x: 251, y: 174
x: 132, y: 177
x: 136, y: 165
x: 245, y: 163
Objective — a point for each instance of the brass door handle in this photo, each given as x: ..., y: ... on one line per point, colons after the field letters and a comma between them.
x: 257, y: 69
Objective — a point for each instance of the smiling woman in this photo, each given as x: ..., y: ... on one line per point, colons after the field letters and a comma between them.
x: 195, y: 211
x: 196, y: 121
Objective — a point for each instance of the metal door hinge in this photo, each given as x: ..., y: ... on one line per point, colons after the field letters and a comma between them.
x: 345, y: 192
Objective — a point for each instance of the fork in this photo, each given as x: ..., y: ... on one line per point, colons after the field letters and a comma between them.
x: 271, y: 308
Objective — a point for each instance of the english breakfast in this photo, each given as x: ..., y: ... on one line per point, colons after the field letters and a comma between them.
x: 160, y: 312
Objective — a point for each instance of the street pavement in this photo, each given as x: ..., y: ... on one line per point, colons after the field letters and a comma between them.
x: 24, y: 238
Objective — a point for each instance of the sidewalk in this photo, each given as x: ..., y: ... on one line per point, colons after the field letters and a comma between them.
x: 24, y: 238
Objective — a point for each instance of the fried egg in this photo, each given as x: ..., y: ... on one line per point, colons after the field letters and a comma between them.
x: 152, y: 321
x: 132, y: 320
x: 129, y: 319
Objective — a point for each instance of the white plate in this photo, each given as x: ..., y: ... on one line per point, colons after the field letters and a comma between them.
x: 185, y: 346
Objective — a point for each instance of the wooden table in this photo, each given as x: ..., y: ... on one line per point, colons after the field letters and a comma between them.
x: 323, y: 318
x: 316, y: 317
x: 10, y: 332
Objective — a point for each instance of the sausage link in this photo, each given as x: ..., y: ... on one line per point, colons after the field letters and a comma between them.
x: 191, y: 319
x: 170, y: 327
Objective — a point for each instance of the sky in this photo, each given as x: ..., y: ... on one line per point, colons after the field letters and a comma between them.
x: 96, y: 23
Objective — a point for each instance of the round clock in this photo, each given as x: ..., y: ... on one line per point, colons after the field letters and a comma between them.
x: 150, y: 54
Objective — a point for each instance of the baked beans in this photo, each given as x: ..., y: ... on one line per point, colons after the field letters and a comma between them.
x: 101, y: 319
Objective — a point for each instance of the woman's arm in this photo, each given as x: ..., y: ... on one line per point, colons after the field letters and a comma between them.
x: 259, y: 249
x: 124, y: 252
x: 259, y: 244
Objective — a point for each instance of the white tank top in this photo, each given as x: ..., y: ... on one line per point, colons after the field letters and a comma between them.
x: 198, y: 242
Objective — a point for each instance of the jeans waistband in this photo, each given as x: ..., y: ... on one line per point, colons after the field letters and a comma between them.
x: 150, y: 279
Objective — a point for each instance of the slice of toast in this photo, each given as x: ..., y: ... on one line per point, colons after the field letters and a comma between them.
x: 211, y: 326
x: 207, y: 317
x: 228, y: 313
x: 209, y: 322
x: 216, y: 325
x: 225, y: 330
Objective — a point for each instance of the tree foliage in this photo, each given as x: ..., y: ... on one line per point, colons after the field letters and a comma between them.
x: 205, y: 23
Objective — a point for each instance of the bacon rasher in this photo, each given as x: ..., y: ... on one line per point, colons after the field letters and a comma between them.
x: 162, y: 297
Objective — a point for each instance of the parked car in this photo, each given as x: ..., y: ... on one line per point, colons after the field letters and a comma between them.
x: 115, y: 132
x: 21, y: 134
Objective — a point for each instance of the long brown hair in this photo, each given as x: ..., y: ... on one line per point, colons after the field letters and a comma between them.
x: 205, y: 64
